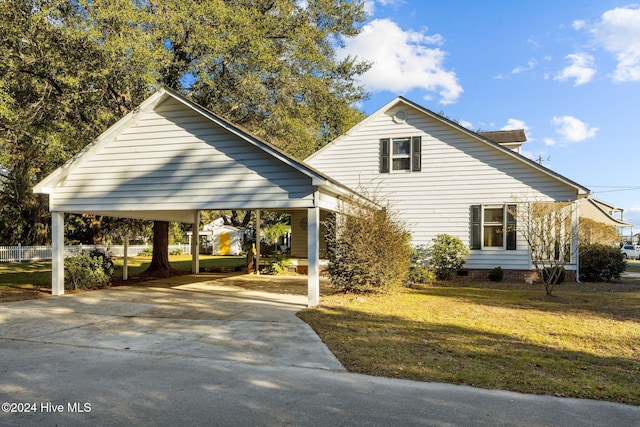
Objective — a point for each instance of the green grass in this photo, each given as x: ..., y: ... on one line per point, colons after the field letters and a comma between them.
x: 26, y: 274
x: 38, y: 274
x: 579, y: 344
x: 137, y: 265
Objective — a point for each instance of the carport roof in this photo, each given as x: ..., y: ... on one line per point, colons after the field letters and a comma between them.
x: 171, y: 156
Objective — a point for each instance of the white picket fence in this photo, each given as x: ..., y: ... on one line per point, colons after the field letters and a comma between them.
x: 39, y: 253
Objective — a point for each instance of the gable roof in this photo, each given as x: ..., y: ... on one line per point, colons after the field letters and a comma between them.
x: 44, y: 186
x: 151, y: 184
x: 604, y: 208
x: 580, y: 189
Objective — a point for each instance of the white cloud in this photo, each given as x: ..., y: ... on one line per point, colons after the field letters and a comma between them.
x: 572, y: 129
x: 582, y: 69
x: 403, y: 60
x: 549, y: 142
x: 530, y: 65
x: 370, y: 5
x: 578, y: 24
x: 618, y: 32
x: 466, y: 124
x: 513, y: 124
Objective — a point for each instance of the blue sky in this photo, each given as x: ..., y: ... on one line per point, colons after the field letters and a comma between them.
x: 566, y: 71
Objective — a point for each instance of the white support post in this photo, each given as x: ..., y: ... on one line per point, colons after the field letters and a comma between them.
x: 195, y: 243
x: 57, y: 256
x: 125, y: 261
x: 313, y: 254
x: 575, y: 234
x: 256, y: 267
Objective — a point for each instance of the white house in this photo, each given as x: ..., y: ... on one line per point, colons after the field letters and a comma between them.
x: 443, y: 178
x: 171, y: 158
x: 216, y: 238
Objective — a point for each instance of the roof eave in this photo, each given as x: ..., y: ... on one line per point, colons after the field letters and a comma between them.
x: 581, y: 191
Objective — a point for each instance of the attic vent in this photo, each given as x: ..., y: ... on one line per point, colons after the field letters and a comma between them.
x: 400, y: 116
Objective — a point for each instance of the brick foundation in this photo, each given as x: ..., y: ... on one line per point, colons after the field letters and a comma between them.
x: 510, y: 275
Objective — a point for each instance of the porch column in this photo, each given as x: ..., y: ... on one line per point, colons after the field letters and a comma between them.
x: 195, y: 243
x: 575, y: 234
x: 125, y: 261
x: 313, y: 254
x: 256, y: 268
x: 57, y: 255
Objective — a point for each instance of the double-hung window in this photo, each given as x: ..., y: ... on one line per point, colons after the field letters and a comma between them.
x: 493, y: 226
x: 401, y: 154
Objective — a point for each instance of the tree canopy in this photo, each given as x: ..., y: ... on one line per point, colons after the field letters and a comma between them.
x: 71, y: 69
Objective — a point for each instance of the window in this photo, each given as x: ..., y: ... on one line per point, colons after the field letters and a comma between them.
x: 493, y: 226
x: 401, y: 154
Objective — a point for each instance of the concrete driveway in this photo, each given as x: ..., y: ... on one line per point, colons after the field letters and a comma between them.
x: 204, y: 350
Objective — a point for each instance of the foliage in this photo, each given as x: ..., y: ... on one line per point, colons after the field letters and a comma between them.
x: 597, y: 232
x: 62, y: 86
x: 600, y: 263
x: 146, y: 252
x: 447, y: 255
x: 278, y: 266
x: 274, y: 231
x: 71, y: 69
x: 496, y: 274
x: 88, y: 270
x: 553, y: 275
x: 176, y: 252
x: 369, y: 248
x: 107, y: 260
x: 420, y: 275
x: 119, y: 229
x: 549, y: 231
x: 419, y: 271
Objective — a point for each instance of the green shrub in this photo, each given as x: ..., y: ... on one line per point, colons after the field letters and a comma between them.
x: 278, y: 266
x: 419, y: 271
x: 553, y: 275
x: 87, y: 271
x: 496, y: 274
x: 447, y: 255
x: 369, y: 249
x: 107, y: 260
x: 176, y: 252
x: 148, y: 252
x: 421, y: 275
x: 600, y: 263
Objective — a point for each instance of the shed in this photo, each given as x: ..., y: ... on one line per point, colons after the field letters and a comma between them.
x: 171, y: 158
x: 221, y: 239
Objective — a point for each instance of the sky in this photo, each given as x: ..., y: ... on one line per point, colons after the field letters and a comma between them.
x: 565, y: 71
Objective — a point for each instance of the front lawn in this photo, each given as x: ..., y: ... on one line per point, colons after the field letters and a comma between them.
x: 583, y: 342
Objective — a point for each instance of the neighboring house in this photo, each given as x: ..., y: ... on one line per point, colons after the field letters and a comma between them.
x: 216, y: 238
x: 443, y: 178
x: 605, y: 213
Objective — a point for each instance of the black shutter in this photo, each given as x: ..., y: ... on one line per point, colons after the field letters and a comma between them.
x: 416, y: 154
x: 511, y: 227
x: 384, y: 155
x: 474, y: 242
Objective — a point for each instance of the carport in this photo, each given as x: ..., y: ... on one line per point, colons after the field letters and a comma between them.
x: 169, y: 159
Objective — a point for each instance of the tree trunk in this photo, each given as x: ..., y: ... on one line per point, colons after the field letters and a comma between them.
x: 160, y: 260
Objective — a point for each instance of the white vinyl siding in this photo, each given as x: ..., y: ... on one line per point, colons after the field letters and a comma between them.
x: 174, y: 158
x: 457, y: 171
